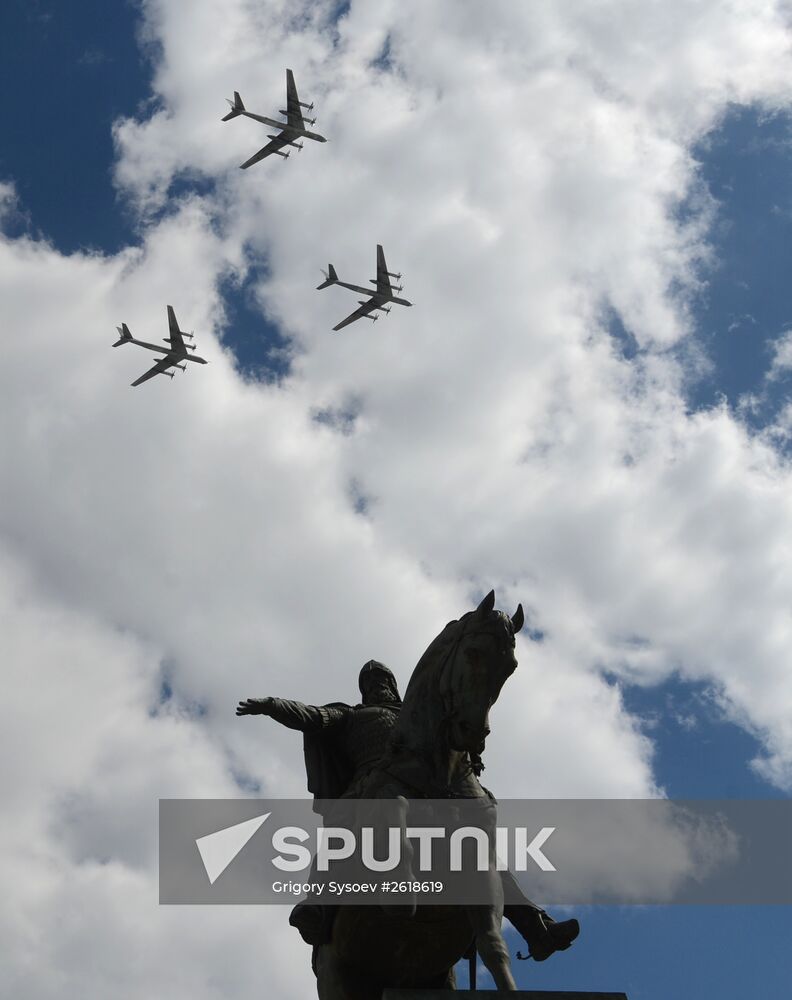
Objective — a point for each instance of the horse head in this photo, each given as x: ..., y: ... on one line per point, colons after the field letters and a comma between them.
x: 459, y: 677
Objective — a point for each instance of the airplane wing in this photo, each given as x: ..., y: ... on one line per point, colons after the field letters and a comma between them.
x: 176, y: 339
x: 158, y: 369
x: 383, y: 281
x: 271, y: 147
x: 359, y: 313
x: 293, y: 113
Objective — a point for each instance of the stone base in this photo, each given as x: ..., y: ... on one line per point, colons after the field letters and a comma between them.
x: 516, y: 995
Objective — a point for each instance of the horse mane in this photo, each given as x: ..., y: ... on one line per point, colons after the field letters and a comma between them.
x: 419, y: 698
x: 422, y: 674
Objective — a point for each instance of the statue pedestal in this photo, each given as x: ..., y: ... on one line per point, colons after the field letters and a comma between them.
x: 517, y: 995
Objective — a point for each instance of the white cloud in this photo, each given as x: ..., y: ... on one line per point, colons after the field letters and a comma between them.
x: 782, y: 356
x: 524, y: 167
x: 8, y: 196
x: 87, y: 757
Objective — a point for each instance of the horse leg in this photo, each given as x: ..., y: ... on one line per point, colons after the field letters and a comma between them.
x: 396, y: 811
x: 490, y: 945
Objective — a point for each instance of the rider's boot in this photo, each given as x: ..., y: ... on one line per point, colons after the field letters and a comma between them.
x: 542, y: 934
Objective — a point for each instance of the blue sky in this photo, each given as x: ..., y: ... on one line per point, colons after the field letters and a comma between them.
x: 69, y: 74
x: 73, y: 73
x: 745, y: 307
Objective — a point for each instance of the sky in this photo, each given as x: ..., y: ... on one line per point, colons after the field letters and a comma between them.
x: 587, y: 409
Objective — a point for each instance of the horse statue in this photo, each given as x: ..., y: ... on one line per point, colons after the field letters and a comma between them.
x: 441, y: 728
x: 426, y: 747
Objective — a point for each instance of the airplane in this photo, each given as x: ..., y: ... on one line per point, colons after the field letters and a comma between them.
x: 176, y: 352
x: 381, y: 295
x: 293, y: 128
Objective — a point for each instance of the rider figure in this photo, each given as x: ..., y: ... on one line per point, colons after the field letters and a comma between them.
x: 343, y: 744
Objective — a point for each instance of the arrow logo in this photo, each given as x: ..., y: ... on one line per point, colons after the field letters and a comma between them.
x: 219, y: 849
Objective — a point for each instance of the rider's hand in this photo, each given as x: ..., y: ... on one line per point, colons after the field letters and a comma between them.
x: 254, y: 706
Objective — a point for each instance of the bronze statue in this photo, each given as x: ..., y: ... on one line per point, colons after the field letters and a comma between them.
x: 342, y: 743
x: 429, y: 746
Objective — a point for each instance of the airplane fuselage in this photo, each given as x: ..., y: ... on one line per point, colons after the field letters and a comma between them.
x: 284, y: 127
x: 168, y: 350
x: 375, y: 296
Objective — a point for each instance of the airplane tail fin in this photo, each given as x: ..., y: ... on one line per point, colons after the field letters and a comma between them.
x: 330, y: 277
x: 237, y: 107
x: 125, y: 337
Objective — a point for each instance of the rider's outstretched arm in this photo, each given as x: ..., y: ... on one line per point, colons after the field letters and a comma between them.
x: 294, y: 714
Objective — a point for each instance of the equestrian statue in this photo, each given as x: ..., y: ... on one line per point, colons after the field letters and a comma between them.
x: 427, y: 746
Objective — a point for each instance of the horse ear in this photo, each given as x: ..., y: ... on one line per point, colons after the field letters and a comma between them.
x: 487, y: 604
x: 518, y: 619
